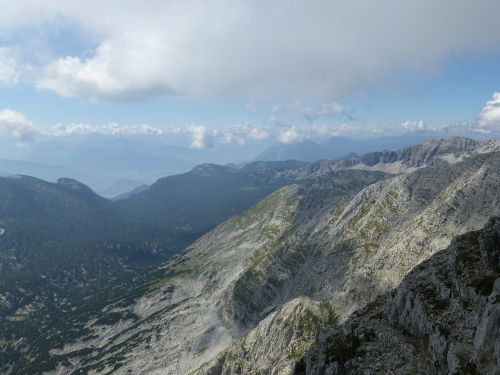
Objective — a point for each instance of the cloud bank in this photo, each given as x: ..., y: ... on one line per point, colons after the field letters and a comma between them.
x: 107, y: 129
x: 221, y: 48
x: 16, y: 125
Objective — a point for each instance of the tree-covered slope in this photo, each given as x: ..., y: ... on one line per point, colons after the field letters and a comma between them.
x: 197, y: 201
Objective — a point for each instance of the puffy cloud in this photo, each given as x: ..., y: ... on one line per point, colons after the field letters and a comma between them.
x: 107, y: 129
x: 253, y: 47
x: 489, y: 117
x: 242, y: 133
x: 258, y: 133
x: 201, y: 137
x: 9, y: 71
x: 290, y: 135
x: 16, y: 125
x: 103, y: 77
x: 414, y: 125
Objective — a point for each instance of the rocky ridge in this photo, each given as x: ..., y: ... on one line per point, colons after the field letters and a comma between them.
x: 363, y: 251
x: 407, y: 159
x: 444, y: 318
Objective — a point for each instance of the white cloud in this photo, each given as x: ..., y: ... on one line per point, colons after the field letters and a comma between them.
x: 103, y: 76
x: 255, y: 48
x: 9, y: 71
x: 258, y: 134
x: 290, y: 135
x: 242, y: 133
x: 489, y: 117
x: 414, y: 125
x: 16, y: 125
x: 107, y: 129
x: 201, y: 137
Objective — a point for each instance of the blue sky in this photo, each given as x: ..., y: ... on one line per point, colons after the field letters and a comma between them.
x: 221, y: 64
x: 455, y: 93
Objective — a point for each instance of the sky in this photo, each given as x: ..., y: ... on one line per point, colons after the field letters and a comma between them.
x: 203, y: 73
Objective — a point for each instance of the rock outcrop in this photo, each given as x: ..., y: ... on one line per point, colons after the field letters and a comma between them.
x: 444, y: 318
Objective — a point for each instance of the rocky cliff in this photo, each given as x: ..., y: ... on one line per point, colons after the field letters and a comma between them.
x: 444, y: 318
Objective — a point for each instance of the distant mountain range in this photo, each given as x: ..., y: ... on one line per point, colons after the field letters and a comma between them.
x: 342, y: 148
x: 115, y: 165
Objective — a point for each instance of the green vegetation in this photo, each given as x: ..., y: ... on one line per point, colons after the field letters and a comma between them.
x: 337, y: 212
x: 344, y: 348
x: 370, y: 335
x: 467, y: 368
x: 484, y: 285
x: 391, y: 201
x: 359, y: 216
x: 295, y: 355
x: 298, y: 348
x: 327, y: 310
x: 433, y: 300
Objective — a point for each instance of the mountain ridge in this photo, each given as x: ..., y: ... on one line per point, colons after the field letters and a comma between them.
x: 449, y: 303
x: 320, y: 247
x: 352, y: 249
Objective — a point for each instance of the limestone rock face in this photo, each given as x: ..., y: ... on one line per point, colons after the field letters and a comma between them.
x: 444, y: 318
x: 277, y: 341
x: 451, y: 150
